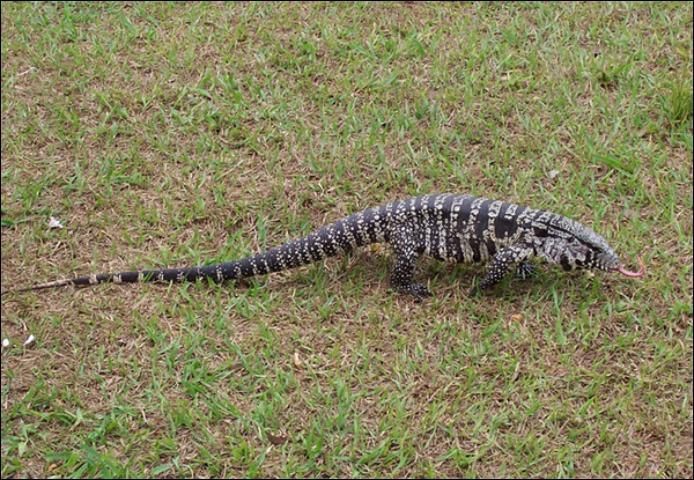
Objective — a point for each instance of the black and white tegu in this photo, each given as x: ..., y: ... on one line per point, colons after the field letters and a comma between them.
x: 448, y: 227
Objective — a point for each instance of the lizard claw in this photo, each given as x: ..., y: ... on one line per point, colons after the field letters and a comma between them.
x: 417, y: 290
x: 525, y: 270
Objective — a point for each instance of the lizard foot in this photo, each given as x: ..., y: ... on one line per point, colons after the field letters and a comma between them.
x: 525, y: 270
x: 417, y: 290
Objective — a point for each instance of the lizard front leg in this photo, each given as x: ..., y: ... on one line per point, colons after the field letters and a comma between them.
x: 501, y: 264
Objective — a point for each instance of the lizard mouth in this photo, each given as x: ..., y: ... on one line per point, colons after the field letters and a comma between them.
x: 628, y: 273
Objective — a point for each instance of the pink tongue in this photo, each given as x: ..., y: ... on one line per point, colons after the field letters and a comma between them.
x: 629, y: 273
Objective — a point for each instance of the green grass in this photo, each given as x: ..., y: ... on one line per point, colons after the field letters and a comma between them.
x: 172, y: 134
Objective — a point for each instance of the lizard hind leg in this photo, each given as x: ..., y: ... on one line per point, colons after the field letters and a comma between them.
x: 402, y: 276
x: 525, y: 270
x: 402, y: 280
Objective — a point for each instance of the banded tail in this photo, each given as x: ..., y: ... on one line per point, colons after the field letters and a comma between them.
x: 344, y: 235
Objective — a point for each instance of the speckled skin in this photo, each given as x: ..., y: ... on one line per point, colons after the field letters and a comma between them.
x: 448, y: 227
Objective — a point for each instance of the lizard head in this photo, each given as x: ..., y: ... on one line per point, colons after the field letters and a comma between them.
x: 585, y: 249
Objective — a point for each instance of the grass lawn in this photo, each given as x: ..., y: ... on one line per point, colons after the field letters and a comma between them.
x: 176, y: 134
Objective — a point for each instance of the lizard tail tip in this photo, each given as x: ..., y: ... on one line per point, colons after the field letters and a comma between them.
x: 628, y: 273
